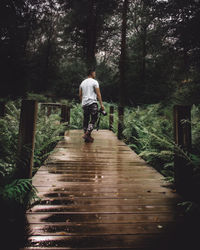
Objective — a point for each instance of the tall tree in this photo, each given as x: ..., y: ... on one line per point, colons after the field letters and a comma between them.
x: 44, y: 49
x: 18, y: 22
x: 14, y: 28
x: 184, y: 22
x: 85, y: 23
x: 91, y: 33
x: 122, y: 62
x: 184, y: 19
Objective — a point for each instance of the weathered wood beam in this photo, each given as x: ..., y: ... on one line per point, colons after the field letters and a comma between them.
x: 111, y: 118
x: 120, y: 122
x: 182, y: 137
x: 27, y: 130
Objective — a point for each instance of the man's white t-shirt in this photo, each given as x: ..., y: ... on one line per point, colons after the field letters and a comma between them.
x: 88, y: 91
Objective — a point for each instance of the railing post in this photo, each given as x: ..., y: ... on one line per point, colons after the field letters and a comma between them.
x: 42, y: 108
x: 111, y: 118
x: 182, y: 136
x: 27, y: 130
x: 2, y: 109
x: 120, y: 122
x: 65, y: 114
x: 68, y: 115
x: 49, y: 109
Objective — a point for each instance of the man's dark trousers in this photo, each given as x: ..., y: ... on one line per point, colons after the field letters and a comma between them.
x: 90, y: 117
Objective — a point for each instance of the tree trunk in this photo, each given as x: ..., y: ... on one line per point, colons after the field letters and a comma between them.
x: 122, y: 62
x: 48, y: 55
x: 144, y: 53
x: 143, y: 43
x: 91, y: 35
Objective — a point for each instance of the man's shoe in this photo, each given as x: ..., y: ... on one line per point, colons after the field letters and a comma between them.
x: 90, y: 139
x: 86, y: 135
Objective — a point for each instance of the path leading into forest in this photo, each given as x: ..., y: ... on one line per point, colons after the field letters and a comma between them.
x: 102, y: 195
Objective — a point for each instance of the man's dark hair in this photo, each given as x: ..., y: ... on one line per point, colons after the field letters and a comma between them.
x: 90, y: 71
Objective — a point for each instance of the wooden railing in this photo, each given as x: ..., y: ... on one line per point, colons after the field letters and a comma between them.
x: 27, y: 129
x: 182, y: 138
x: 65, y: 110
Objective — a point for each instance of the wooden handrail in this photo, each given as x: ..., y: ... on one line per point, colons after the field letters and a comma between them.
x: 182, y: 137
x: 49, y: 107
x: 50, y: 104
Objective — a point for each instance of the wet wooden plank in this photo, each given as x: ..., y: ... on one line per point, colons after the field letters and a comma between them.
x: 106, y: 201
x: 103, y: 229
x: 131, y: 178
x: 98, y: 169
x: 154, y: 241
x: 109, y: 195
x: 102, y: 189
x: 93, y: 177
x: 99, y: 218
x: 76, y: 208
x: 94, y: 173
x: 98, y: 183
x: 100, y: 196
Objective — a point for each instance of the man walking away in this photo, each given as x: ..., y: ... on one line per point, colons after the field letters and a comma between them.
x: 89, y: 92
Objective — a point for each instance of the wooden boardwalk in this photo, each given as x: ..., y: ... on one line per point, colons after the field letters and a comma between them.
x: 101, y: 195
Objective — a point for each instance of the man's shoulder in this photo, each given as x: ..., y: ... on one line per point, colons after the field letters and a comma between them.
x: 95, y: 82
x: 89, y: 80
x: 83, y: 81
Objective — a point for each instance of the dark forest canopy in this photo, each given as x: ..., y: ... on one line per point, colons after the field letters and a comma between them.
x: 46, y: 47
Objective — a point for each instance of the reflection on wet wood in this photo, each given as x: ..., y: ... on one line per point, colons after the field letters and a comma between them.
x: 101, y: 196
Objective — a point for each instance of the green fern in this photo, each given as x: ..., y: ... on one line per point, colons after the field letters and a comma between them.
x: 148, y: 131
x: 21, y: 191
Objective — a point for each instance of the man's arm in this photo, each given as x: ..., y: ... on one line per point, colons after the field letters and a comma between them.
x: 97, y: 90
x: 80, y: 93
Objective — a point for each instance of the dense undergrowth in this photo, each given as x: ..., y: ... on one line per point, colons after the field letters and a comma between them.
x: 19, y: 194
x: 149, y: 131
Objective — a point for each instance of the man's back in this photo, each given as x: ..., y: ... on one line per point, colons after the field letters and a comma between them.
x: 88, y: 91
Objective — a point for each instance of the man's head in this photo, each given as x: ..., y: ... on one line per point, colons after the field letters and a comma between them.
x: 91, y: 73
